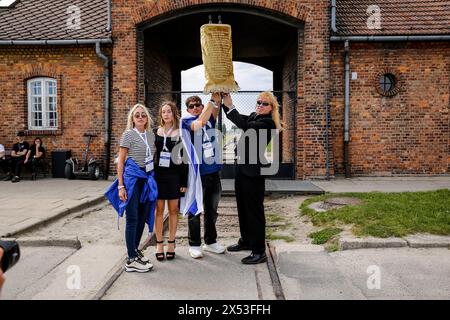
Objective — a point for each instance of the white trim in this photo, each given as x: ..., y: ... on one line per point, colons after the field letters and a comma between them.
x: 45, y: 108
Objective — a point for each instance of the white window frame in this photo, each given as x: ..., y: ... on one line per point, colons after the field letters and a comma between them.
x: 45, y: 105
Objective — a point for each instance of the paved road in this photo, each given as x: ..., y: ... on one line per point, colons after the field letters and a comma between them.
x: 404, y: 273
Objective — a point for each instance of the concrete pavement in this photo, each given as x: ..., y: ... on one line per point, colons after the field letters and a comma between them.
x: 30, y: 203
x: 306, y: 272
x: 384, y: 184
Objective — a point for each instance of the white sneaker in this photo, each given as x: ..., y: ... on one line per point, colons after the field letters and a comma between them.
x: 142, y: 256
x: 137, y: 265
x: 196, y: 252
x: 215, y: 248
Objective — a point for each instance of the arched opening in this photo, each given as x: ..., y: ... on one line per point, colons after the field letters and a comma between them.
x: 172, y: 46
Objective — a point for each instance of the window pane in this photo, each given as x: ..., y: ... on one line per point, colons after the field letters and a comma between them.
x: 36, y: 88
x: 51, y: 87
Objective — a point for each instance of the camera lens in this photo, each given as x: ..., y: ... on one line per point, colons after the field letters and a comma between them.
x: 11, y: 254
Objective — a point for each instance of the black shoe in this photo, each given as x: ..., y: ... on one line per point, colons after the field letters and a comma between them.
x: 8, y: 177
x: 33, y: 176
x: 170, y: 255
x: 15, y: 179
x: 255, y: 258
x: 160, y: 255
x: 238, y: 247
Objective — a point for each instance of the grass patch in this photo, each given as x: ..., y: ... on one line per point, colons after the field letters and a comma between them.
x: 388, y: 214
x: 322, y: 236
x: 274, y: 236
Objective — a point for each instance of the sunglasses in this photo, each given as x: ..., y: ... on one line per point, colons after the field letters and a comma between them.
x: 140, y: 115
x: 260, y: 103
x: 192, y: 106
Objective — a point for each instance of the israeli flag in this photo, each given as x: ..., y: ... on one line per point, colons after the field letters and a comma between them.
x: 192, y: 202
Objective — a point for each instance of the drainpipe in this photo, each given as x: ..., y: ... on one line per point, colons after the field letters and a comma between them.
x: 347, y: 110
x: 333, y: 16
x: 107, y: 110
x: 444, y: 37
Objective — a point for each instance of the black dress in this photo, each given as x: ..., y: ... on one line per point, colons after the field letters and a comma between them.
x: 171, y: 179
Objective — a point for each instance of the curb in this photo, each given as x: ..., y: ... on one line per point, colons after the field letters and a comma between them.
x: 36, y: 224
x: 117, y: 270
x: 415, y: 241
x: 70, y: 242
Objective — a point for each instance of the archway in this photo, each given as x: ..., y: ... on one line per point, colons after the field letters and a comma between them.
x: 168, y: 45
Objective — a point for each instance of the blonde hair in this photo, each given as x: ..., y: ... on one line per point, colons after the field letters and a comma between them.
x: 266, y: 95
x: 176, y: 114
x: 130, y: 123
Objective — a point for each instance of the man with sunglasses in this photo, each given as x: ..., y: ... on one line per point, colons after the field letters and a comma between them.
x: 202, y: 123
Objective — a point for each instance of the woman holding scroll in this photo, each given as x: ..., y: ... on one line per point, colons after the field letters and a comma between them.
x: 249, y: 181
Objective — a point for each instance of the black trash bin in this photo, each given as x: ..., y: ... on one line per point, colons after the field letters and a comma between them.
x: 59, y: 158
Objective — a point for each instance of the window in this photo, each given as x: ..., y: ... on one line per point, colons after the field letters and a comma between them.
x: 42, y: 104
x: 387, y: 82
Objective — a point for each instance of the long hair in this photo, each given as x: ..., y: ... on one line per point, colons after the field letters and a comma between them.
x: 176, y: 114
x: 266, y: 95
x: 130, y: 123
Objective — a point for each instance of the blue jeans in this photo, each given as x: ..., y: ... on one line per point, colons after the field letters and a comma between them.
x: 135, y: 219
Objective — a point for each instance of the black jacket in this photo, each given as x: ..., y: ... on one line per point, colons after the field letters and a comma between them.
x: 261, y: 124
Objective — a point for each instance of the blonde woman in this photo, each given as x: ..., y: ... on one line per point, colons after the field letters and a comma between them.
x: 171, y: 176
x: 249, y: 183
x: 135, y: 189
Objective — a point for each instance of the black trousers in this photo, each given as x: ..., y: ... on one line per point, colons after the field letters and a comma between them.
x: 250, y: 203
x: 212, y: 190
x: 16, y: 165
x: 5, y: 165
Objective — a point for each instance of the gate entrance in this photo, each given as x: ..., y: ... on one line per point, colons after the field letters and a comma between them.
x: 171, y: 44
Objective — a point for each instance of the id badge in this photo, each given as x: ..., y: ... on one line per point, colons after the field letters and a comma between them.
x: 208, y: 150
x: 164, y: 159
x: 149, y: 166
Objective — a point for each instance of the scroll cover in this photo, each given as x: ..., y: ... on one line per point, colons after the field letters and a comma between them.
x: 217, y: 53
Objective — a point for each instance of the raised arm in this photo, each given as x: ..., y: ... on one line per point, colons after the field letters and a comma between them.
x: 210, y: 109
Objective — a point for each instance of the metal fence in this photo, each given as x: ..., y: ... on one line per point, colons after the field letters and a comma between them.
x: 245, y: 102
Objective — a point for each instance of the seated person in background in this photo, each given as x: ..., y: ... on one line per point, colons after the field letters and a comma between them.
x: 18, y: 155
x: 4, y: 163
x: 35, y: 156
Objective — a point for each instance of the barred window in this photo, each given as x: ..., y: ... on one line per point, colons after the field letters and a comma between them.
x: 42, y: 104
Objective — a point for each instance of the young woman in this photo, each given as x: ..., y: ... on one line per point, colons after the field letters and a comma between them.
x: 171, y: 176
x: 35, y: 155
x: 135, y: 189
x: 249, y: 182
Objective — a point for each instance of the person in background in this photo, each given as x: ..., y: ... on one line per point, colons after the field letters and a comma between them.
x: 5, y: 166
x: 18, y: 155
x: 35, y: 156
x: 171, y: 176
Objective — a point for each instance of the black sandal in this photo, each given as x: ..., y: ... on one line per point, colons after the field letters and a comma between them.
x: 170, y: 255
x: 160, y: 255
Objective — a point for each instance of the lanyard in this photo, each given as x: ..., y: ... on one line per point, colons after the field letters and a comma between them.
x: 165, y: 137
x: 148, y: 152
x: 205, y: 135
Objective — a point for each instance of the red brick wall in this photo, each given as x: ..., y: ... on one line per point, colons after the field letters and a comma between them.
x: 313, y: 81
x: 404, y: 134
x: 80, y: 84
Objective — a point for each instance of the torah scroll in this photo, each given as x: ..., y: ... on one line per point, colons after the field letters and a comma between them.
x: 217, y: 54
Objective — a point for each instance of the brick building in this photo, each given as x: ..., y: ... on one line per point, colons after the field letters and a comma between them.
x: 371, y: 78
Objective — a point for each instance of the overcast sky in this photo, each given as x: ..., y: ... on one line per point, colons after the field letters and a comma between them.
x: 250, y: 77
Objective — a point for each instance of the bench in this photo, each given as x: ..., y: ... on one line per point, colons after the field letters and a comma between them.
x: 42, y: 169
